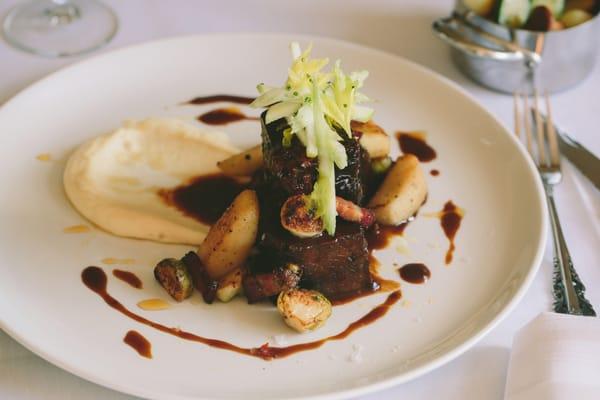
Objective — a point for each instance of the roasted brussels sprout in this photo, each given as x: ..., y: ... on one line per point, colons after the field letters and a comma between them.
x: 173, y: 275
x: 303, y: 309
x: 299, y: 216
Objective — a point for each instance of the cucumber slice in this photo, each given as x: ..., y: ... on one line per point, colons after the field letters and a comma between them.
x: 556, y: 6
x: 513, y: 13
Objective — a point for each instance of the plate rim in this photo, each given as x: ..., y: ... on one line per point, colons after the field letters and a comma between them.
x: 380, y: 383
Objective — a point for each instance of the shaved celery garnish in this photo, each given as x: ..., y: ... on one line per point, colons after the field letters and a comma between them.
x: 329, y: 152
x: 316, y: 104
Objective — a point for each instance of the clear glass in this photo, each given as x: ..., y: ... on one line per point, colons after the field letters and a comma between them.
x: 60, y: 28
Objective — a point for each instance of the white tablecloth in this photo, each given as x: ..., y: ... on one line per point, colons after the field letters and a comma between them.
x: 398, y: 26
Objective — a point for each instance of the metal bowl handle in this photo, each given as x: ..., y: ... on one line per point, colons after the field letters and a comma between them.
x: 446, y: 30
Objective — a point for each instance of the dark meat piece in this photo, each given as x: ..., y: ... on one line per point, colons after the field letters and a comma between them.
x: 202, y: 281
x: 261, y: 285
x: 288, y: 167
x: 337, y: 266
x: 294, y: 173
x: 348, y: 183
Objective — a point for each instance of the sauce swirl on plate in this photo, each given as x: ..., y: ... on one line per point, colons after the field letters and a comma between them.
x: 224, y: 116
x: 96, y: 280
x: 220, y: 98
x: 204, y: 198
x: 379, y: 236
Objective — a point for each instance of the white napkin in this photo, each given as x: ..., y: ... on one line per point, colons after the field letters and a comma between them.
x: 555, y: 357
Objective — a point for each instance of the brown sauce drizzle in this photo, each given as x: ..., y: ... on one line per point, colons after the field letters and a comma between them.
x: 224, y: 116
x: 267, y: 352
x: 385, y: 285
x: 350, y: 299
x: 220, y: 98
x: 128, y: 277
x: 204, y: 198
x: 379, y: 236
x: 414, y: 143
x: 380, y: 284
x: 139, y: 343
x: 450, y: 217
x: 415, y: 273
x: 96, y: 280
x: 434, y: 172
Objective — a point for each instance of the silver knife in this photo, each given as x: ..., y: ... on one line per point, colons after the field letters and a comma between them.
x: 582, y: 158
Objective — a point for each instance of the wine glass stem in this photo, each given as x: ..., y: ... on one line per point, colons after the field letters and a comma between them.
x: 63, y: 12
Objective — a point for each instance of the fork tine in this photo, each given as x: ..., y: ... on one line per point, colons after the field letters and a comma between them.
x: 540, y: 131
x: 551, y: 132
x: 529, y: 137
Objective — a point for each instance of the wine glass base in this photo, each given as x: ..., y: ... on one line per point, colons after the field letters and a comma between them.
x: 60, y: 28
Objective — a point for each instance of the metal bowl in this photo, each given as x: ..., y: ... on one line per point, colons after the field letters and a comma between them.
x: 509, y: 60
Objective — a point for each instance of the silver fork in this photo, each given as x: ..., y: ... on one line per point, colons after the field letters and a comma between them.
x: 568, y: 290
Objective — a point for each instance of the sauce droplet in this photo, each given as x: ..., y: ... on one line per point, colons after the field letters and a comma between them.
x: 44, y: 157
x: 224, y: 116
x: 414, y: 143
x: 120, y: 261
x: 415, y: 273
x: 139, y: 343
x: 220, y: 98
x: 128, y: 277
x: 205, y: 198
x: 434, y: 172
x: 95, y: 279
x: 451, y: 217
x: 153, y: 304
x: 77, y: 229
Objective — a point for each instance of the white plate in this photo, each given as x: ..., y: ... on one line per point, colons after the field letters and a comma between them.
x: 45, y: 306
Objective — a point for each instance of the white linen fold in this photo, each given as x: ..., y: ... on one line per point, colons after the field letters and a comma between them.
x: 555, y: 357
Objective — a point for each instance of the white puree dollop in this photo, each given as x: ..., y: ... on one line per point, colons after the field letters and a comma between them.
x: 113, y: 180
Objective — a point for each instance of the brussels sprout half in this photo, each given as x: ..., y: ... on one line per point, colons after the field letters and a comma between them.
x: 303, y: 310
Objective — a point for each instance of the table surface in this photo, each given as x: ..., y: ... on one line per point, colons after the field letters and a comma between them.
x: 401, y: 27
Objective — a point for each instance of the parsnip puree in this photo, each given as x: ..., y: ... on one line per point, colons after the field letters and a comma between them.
x: 113, y: 179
